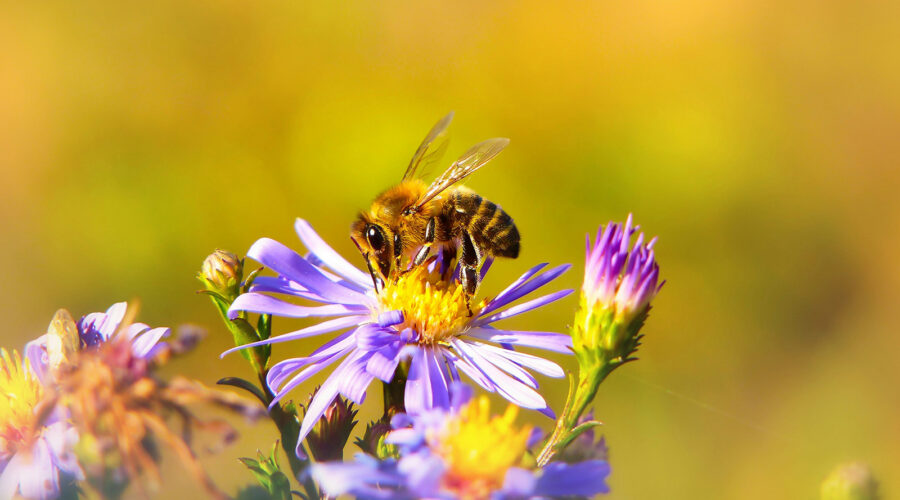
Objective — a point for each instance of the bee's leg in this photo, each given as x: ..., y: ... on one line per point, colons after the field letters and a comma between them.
x: 398, y: 255
x: 376, y: 280
x: 468, y: 270
x: 429, y: 242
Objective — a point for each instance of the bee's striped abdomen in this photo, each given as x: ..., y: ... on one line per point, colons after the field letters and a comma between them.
x: 492, y: 230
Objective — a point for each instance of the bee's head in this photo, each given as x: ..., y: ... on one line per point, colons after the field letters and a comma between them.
x: 378, y: 242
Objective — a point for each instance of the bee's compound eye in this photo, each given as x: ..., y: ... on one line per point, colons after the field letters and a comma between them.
x: 375, y: 237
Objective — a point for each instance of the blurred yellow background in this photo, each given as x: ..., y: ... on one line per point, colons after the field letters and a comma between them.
x: 758, y: 140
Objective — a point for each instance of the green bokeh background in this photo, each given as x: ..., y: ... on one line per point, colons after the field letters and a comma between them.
x: 758, y: 140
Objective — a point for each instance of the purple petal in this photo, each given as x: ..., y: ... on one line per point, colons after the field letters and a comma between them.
x: 278, y: 284
x: 511, y: 389
x: 581, y: 479
x: 551, y: 341
x: 518, y: 483
x: 526, y: 288
x: 328, y: 255
x: 363, y: 478
x: 143, y: 346
x: 264, y: 304
x: 383, y: 363
x: 32, y: 473
x: 317, y: 329
x: 506, y: 365
x: 464, y: 365
x: 291, y: 265
x: 538, y: 364
x: 355, y: 379
x: 422, y: 473
x: 486, y: 266
x: 416, y: 391
x: 521, y: 308
x: 372, y: 336
x: 323, y: 356
x: 515, y: 284
x: 322, y: 400
x: 460, y: 394
x: 440, y: 395
x: 36, y: 353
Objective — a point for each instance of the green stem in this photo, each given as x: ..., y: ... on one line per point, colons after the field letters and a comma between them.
x: 289, y: 429
x: 579, y: 398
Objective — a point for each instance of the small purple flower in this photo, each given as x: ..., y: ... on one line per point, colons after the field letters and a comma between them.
x: 617, y: 276
x: 35, y: 454
x: 94, y: 329
x: 620, y: 280
x: 419, y: 316
x: 459, y: 453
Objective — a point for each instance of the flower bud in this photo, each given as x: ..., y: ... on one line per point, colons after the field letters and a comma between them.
x: 373, y: 440
x: 222, y: 273
x: 328, y: 437
x: 619, y: 283
x: 852, y: 481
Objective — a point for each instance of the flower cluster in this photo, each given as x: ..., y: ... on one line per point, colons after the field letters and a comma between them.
x: 85, y: 410
x: 85, y: 404
x: 460, y: 452
x: 421, y: 317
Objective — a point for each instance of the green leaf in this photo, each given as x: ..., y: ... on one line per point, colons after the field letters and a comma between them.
x: 245, y: 385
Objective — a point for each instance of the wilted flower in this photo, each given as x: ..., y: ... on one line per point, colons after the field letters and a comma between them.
x: 98, y: 375
x: 620, y: 280
x: 460, y: 453
x: 35, y: 444
x: 422, y: 315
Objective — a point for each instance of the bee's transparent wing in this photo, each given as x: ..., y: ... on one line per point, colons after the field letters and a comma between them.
x: 432, y: 148
x: 472, y: 160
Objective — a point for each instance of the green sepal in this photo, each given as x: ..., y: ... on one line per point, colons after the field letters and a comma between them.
x: 249, y: 281
x: 577, y: 431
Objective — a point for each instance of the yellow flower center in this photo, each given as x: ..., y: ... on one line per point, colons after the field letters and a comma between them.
x: 479, y: 449
x: 434, y: 308
x: 21, y: 392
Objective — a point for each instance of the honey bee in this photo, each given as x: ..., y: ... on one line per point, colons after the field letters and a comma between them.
x: 411, y: 218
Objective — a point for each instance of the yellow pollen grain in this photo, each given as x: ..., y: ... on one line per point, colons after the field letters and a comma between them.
x: 434, y: 308
x: 21, y: 391
x: 479, y: 449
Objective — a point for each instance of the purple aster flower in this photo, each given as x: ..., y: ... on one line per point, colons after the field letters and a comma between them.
x: 35, y: 452
x: 459, y: 453
x: 620, y: 280
x: 618, y: 277
x: 420, y: 316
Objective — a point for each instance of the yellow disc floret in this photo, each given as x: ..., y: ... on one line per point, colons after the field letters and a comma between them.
x: 21, y: 392
x: 434, y: 308
x: 479, y: 449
